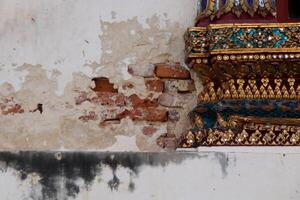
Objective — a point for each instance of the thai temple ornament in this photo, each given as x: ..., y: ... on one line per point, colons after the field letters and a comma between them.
x: 251, y: 78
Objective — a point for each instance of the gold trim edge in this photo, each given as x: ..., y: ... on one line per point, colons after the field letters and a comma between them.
x: 242, y: 25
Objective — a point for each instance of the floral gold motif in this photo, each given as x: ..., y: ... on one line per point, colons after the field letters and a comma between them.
x: 252, y: 40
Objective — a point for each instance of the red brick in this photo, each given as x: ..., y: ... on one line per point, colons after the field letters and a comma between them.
x: 155, y: 85
x: 102, y: 84
x: 174, y: 99
x: 135, y: 101
x: 11, y: 109
x: 145, y: 114
x: 167, y: 99
x: 111, y: 114
x: 91, y: 116
x: 127, y: 86
x: 146, y: 70
x: 149, y: 130
x: 109, y: 122
x: 109, y: 98
x: 174, y: 71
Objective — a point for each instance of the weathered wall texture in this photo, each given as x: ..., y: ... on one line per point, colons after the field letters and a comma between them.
x: 51, y: 51
x: 150, y: 176
x: 108, y: 75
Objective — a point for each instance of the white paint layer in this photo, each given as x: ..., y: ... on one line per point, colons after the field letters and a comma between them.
x: 63, y: 35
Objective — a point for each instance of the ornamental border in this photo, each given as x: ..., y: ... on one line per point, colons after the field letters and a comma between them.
x: 204, y: 52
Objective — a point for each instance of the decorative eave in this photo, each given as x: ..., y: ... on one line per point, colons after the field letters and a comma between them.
x: 242, y: 42
x: 251, y: 78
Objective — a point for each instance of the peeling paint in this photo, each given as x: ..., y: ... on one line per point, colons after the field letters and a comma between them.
x: 53, y: 71
x: 53, y: 40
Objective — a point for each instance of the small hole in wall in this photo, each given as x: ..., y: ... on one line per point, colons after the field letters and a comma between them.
x: 39, y: 108
x: 102, y: 84
x: 127, y: 86
x: 109, y: 122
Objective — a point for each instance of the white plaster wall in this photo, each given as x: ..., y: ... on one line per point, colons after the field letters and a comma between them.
x: 63, y: 35
x: 213, y: 175
x: 51, y: 50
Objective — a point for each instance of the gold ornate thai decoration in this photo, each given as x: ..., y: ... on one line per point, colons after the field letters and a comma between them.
x: 216, y: 8
x: 251, y: 78
x: 243, y: 42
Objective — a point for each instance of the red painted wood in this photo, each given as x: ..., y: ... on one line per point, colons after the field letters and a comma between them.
x: 283, y: 12
x: 232, y: 18
x: 282, y: 17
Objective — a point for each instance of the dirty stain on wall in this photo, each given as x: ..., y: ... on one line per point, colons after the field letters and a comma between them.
x: 54, y: 170
x: 94, y: 175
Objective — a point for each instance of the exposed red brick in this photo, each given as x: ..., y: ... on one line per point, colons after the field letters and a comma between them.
x: 11, y: 109
x: 111, y: 114
x: 146, y: 70
x: 167, y: 99
x: 130, y: 71
x: 175, y: 71
x: 127, y: 86
x: 174, y: 99
x: 201, y: 110
x: 155, y: 85
x: 109, y: 122
x: 145, y: 114
x: 167, y: 141
x: 102, y: 84
x: 109, y: 98
x: 89, y: 116
x: 149, y: 130
x: 135, y: 101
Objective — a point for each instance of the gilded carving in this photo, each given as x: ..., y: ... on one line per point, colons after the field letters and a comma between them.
x: 250, y: 73
x: 257, y: 41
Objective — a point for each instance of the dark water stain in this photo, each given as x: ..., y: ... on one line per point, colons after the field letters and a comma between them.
x: 71, y: 166
x: 114, y: 182
x: 131, y: 186
x: 72, y: 189
x: 224, y: 162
